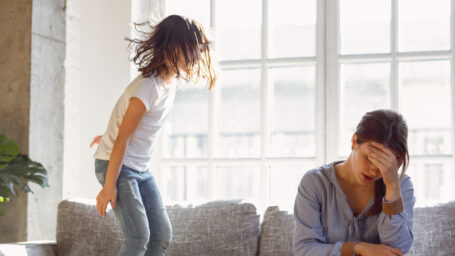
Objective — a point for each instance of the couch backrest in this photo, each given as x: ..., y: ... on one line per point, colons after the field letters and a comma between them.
x: 434, y: 230
x: 277, y: 231
x: 82, y: 231
x: 215, y: 228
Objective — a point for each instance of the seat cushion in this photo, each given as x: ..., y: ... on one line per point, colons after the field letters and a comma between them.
x: 277, y: 231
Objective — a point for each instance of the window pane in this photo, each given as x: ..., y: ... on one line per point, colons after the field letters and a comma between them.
x: 186, y: 183
x: 195, y: 9
x: 174, y: 185
x: 285, y: 180
x: 198, y: 183
x: 423, y: 25
x: 238, y: 29
x: 240, y: 114
x: 432, y: 180
x: 425, y: 104
x: 187, y: 127
x: 364, y: 87
x: 239, y: 182
x: 292, y: 28
x: 365, y: 26
x: 293, y: 123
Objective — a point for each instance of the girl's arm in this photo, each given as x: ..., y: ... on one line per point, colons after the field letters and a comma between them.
x: 130, y: 122
x: 96, y: 140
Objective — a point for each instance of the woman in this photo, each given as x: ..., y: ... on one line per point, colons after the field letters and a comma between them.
x: 360, y: 206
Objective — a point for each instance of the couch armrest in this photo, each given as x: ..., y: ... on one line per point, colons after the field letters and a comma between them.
x: 30, y: 248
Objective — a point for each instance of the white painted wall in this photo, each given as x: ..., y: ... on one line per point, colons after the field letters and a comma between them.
x: 99, y: 72
x: 99, y: 64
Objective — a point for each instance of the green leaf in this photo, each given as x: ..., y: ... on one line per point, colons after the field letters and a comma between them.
x: 8, y: 149
x: 19, y: 171
x: 4, y: 191
x: 10, y: 187
x: 21, y: 184
x: 40, y: 180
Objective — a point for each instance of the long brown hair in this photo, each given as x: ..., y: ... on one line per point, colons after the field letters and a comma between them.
x: 389, y: 128
x: 173, y: 36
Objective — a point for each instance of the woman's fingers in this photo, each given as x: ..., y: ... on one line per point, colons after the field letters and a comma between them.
x: 396, y: 251
x: 378, y: 163
x: 387, y: 161
x: 378, y: 154
x: 384, y: 149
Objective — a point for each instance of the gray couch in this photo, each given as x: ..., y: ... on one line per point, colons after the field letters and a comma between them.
x: 216, y: 228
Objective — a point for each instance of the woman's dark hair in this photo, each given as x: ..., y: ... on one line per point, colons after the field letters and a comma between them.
x: 388, y: 128
x: 172, y: 36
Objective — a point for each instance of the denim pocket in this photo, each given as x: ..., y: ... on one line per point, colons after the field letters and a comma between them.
x: 100, y: 177
x: 100, y: 170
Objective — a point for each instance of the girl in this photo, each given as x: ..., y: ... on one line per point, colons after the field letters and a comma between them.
x: 177, y: 47
x: 360, y: 206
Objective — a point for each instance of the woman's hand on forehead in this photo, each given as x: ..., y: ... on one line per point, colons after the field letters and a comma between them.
x: 390, y: 152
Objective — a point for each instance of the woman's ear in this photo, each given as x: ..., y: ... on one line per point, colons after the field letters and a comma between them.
x: 354, y: 141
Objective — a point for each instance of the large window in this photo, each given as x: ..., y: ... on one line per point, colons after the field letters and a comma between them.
x: 296, y: 77
x: 398, y: 54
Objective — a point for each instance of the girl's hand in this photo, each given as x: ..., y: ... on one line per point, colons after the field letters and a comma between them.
x: 368, y: 249
x: 388, y: 164
x: 106, y: 195
x: 96, y: 140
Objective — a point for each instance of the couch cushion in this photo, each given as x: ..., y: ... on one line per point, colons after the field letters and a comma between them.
x: 434, y: 230
x: 82, y: 231
x: 277, y: 231
x: 215, y: 228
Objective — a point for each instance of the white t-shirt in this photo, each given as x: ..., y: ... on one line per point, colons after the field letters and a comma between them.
x: 158, y: 99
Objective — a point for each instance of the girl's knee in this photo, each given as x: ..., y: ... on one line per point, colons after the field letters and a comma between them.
x: 158, y: 246
x: 138, y: 242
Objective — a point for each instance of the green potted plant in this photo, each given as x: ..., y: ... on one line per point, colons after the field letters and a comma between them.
x: 16, y: 168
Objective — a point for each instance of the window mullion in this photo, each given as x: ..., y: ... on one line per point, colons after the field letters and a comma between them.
x: 320, y: 89
x: 452, y: 82
x: 331, y: 80
x: 394, y: 85
x: 214, y: 99
x: 265, y: 94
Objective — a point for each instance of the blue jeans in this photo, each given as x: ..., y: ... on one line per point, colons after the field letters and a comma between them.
x: 140, y: 211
